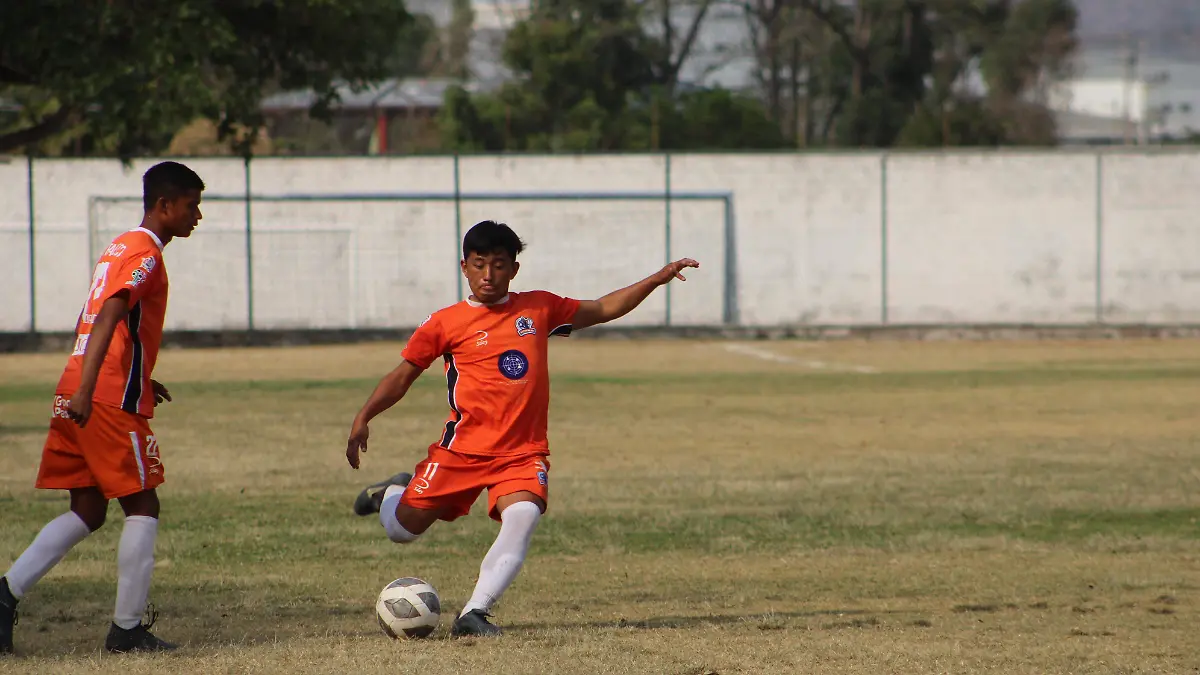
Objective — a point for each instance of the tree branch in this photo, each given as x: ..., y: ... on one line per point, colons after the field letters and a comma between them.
x: 688, y: 41
x: 825, y: 16
x: 47, y: 127
x: 668, y: 38
x: 832, y: 115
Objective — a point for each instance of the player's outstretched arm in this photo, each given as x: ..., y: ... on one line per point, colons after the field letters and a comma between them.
x: 621, y: 302
x: 112, y: 312
x: 387, y: 393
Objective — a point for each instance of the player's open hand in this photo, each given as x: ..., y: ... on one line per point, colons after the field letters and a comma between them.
x: 79, y: 409
x: 357, y: 442
x: 160, y: 392
x: 673, y: 270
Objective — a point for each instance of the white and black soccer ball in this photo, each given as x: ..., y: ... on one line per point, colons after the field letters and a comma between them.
x: 408, y: 608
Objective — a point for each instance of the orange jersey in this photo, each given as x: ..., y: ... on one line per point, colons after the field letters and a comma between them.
x: 497, y: 371
x: 133, y: 262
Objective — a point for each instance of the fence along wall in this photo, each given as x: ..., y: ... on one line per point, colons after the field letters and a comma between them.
x: 851, y: 239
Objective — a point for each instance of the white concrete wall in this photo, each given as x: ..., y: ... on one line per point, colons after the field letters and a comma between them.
x: 1150, y: 267
x: 14, y: 242
x: 62, y: 191
x: 1006, y: 238
x: 970, y: 237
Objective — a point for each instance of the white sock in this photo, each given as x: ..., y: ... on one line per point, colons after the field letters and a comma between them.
x: 507, y: 555
x: 49, y: 546
x: 387, y: 516
x: 135, y: 564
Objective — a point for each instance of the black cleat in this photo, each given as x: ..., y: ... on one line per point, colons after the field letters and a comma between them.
x: 136, y: 639
x: 474, y: 622
x: 8, y: 617
x: 368, y: 500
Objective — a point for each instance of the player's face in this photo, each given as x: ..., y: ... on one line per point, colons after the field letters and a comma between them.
x: 180, y: 215
x: 488, y: 274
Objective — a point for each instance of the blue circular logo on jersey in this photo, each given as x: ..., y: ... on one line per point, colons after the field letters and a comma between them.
x: 513, y: 364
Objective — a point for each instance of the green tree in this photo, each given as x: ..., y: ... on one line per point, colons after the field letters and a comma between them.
x: 590, y: 77
x: 881, y: 72
x: 677, y: 28
x: 458, y: 39
x: 719, y: 119
x: 129, y: 74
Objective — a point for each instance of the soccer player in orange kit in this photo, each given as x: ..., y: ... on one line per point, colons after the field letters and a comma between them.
x: 494, y: 349
x: 100, y: 445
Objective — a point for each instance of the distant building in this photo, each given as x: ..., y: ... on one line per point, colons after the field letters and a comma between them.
x: 1117, y: 96
x: 396, y: 116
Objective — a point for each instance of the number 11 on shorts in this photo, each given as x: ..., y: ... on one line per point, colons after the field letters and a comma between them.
x: 421, y: 483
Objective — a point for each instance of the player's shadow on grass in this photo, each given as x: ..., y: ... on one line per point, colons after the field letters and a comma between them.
x: 839, y: 618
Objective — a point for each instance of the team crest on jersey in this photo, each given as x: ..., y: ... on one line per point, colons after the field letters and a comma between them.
x: 141, y: 273
x: 513, y: 364
x: 525, y: 326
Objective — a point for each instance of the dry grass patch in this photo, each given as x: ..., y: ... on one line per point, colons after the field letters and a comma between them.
x: 963, y: 507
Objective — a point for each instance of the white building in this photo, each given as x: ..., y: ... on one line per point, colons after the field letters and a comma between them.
x: 1116, y: 98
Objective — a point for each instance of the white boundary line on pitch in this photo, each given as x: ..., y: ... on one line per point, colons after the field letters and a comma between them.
x: 765, y: 355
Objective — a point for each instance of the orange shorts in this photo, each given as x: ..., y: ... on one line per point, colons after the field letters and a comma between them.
x: 452, y: 481
x: 115, y: 452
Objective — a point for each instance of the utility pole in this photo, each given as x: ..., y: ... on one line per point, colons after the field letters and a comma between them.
x: 1130, y: 78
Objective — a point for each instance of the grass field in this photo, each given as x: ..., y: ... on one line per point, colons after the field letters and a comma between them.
x: 715, y: 508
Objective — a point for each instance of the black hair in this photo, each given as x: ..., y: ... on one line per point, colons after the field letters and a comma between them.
x: 168, y: 180
x: 491, y: 237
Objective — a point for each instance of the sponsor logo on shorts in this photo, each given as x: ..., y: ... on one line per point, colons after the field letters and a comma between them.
x: 60, y: 407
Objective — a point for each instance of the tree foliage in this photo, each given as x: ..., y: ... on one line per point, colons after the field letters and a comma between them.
x: 589, y: 76
x: 123, y: 76
x: 130, y: 73
x: 881, y: 72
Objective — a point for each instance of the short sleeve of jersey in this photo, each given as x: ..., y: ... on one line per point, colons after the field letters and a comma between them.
x: 136, y: 272
x: 560, y: 312
x: 426, y: 345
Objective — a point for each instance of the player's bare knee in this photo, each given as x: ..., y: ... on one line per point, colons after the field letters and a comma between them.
x: 503, y: 503
x: 93, y: 518
x: 143, y: 503
x: 404, y: 524
x: 91, y: 507
x: 396, y: 531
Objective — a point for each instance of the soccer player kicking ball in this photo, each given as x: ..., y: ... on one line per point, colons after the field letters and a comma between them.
x: 100, y: 445
x: 493, y: 345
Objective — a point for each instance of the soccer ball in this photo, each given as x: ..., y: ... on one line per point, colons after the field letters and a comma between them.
x: 408, y: 607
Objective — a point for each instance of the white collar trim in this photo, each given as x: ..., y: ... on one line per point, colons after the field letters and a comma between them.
x: 153, y: 236
x: 476, y: 303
